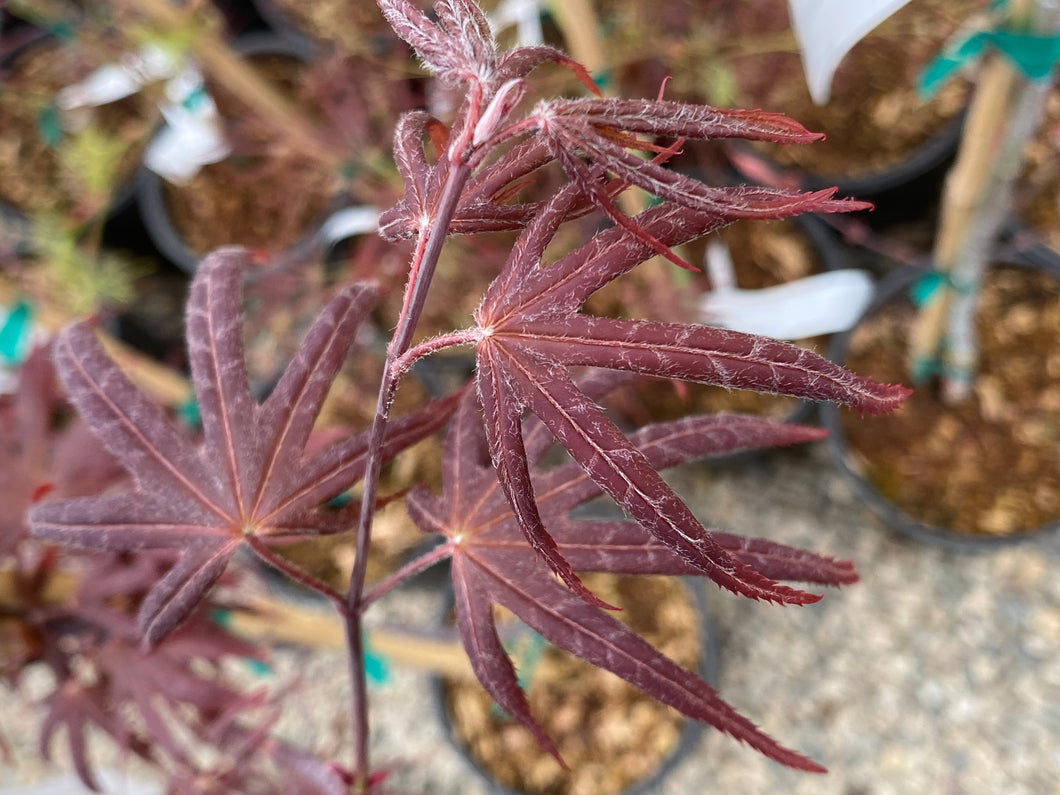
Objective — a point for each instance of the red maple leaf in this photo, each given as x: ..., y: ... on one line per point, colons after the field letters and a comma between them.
x: 249, y: 481
x: 491, y: 562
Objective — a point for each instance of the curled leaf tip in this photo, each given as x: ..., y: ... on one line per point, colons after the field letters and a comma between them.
x: 884, y: 399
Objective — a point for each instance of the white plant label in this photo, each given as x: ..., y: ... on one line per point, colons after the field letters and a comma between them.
x: 525, y: 15
x: 828, y: 29
x: 822, y: 304
x: 349, y: 222
x: 193, y: 135
x: 119, y: 80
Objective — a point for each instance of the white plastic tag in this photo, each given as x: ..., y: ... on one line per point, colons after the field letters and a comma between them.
x: 827, y: 29
x: 186, y: 144
x: 193, y: 135
x: 349, y: 222
x: 825, y: 303
x: 525, y: 15
x: 116, y: 81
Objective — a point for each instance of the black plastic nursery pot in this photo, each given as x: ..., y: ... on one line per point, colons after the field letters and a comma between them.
x: 983, y: 474
x: 236, y: 197
x: 899, y: 192
x: 903, y: 190
x: 525, y: 769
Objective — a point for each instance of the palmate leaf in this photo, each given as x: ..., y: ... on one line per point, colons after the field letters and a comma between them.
x: 248, y: 480
x: 75, y: 708
x: 531, y: 332
x: 491, y: 562
x: 146, y: 702
x: 601, y: 131
x: 481, y: 207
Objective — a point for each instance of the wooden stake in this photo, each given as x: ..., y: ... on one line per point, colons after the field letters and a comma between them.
x: 275, y: 621
x: 280, y: 622
x: 965, y: 192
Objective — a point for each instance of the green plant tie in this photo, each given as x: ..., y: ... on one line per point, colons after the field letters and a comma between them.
x: 931, y: 282
x: 376, y: 666
x: 15, y: 333
x: 349, y: 170
x: 50, y: 127
x: 926, y: 286
x: 1034, y: 54
x: 258, y: 667
x: 64, y: 30
x: 340, y: 500
x: 189, y: 414
x: 526, y: 651
x: 195, y: 98
x: 531, y: 656
x: 924, y: 369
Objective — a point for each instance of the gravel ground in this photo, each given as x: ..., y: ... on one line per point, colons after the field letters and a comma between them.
x: 938, y: 673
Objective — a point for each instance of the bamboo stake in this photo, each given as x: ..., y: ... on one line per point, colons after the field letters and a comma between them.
x: 577, y: 20
x: 58, y: 589
x: 279, y: 622
x: 274, y: 621
x: 978, y: 196
x: 962, y: 193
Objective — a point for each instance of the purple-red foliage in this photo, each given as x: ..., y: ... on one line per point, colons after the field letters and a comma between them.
x: 255, y: 479
x: 531, y: 331
x: 491, y: 562
x: 248, y: 480
x: 161, y: 705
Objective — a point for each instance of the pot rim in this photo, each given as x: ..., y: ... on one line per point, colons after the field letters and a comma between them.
x: 150, y: 187
x: 933, y: 152
x: 1035, y: 256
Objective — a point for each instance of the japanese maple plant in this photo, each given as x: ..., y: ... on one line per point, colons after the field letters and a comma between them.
x: 251, y: 481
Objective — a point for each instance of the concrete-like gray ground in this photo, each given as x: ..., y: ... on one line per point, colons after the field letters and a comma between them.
x: 938, y: 674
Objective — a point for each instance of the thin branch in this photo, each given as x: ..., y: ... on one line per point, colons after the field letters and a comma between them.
x: 433, y: 345
x: 406, y: 572
x: 297, y: 574
x: 422, y: 271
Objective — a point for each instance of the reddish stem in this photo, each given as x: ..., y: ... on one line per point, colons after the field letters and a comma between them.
x: 301, y: 577
x: 420, y: 275
x: 406, y: 572
x: 433, y: 345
